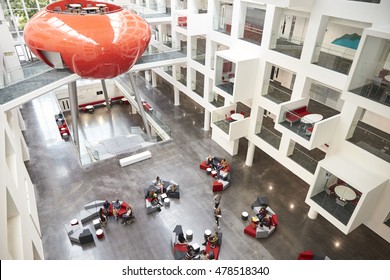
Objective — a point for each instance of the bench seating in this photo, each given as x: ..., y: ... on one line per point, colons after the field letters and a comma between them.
x: 296, y: 114
x: 135, y: 158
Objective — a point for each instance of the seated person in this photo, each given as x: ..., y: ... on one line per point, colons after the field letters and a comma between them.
x: 223, y: 164
x: 128, y: 215
x: 210, y: 160
x: 159, y: 184
x: 213, y: 239
x: 106, y: 206
x: 190, y: 253
x: 262, y: 213
x: 155, y: 201
x: 267, y: 222
x: 102, y: 217
x: 150, y: 194
x: 182, y: 239
x: 204, y: 256
x: 171, y: 188
x: 116, y: 206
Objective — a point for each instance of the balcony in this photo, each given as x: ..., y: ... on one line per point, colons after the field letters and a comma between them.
x: 376, y: 89
x: 276, y: 92
x: 307, y: 122
x: 291, y: 47
x: 307, y: 159
x: 372, y: 140
x: 334, y: 58
x: 232, y: 121
x: 269, y: 134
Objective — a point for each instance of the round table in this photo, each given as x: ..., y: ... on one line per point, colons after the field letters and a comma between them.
x: 167, y: 201
x: 100, y: 233
x: 65, y: 135
x: 237, y: 116
x: 345, y: 192
x: 189, y: 234
x: 74, y: 222
x: 208, y: 170
x: 214, y: 173
x: 387, y: 78
x: 124, y: 99
x: 244, y: 215
x: 232, y: 80
x: 89, y: 107
x: 312, y: 118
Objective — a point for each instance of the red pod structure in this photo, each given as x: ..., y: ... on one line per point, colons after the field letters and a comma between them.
x: 93, y: 39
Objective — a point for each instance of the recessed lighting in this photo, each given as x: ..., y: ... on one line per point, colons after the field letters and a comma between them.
x: 337, y: 244
x: 292, y: 206
x: 270, y: 188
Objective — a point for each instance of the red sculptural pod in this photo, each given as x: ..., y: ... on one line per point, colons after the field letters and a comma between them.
x: 94, y: 39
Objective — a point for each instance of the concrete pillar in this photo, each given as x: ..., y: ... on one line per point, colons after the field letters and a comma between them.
x: 250, y: 154
x: 148, y: 75
x: 108, y: 106
x: 74, y: 112
x: 176, y: 99
x: 206, y: 125
x: 154, y: 79
x: 312, y: 213
x: 138, y: 100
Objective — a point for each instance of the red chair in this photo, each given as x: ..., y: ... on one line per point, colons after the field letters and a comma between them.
x: 228, y: 118
x: 309, y: 130
x: 232, y: 112
x: 242, y: 113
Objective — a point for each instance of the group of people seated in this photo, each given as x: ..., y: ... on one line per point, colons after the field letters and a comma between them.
x: 152, y: 195
x: 193, y: 253
x: 104, y: 212
x: 160, y: 185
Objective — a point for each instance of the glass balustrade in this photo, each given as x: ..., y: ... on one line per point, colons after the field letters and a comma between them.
x: 221, y: 122
x: 199, y: 56
x: 334, y: 57
x: 291, y: 46
x: 272, y: 137
x: 276, y: 94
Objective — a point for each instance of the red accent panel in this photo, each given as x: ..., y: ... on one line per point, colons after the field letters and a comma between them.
x: 92, y: 45
x: 249, y: 230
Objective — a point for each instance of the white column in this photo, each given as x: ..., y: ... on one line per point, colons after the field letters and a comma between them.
x: 154, y: 79
x: 176, y: 93
x: 312, y: 213
x: 74, y: 112
x: 206, y: 125
x: 147, y: 75
x: 250, y: 154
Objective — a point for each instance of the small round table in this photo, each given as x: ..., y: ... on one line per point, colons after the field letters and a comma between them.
x: 100, y: 233
x: 345, y: 192
x: 74, y: 222
x: 237, y: 116
x: 208, y: 170
x: 167, y: 201
x: 312, y: 118
x: 244, y: 215
x: 189, y: 234
x: 214, y: 173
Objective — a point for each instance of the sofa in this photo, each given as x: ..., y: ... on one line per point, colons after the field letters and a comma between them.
x: 223, y: 180
x: 256, y: 230
x: 175, y: 194
x: 296, y: 114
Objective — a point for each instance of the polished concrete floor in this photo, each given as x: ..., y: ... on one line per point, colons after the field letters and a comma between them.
x: 63, y: 187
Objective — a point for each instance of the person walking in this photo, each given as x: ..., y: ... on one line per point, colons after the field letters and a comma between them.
x: 217, y: 215
x: 217, y: 200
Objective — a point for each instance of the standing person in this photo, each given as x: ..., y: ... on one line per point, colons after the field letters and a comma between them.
x: 217, y: 215
x: 217, y: 200
x: 116, y: 206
